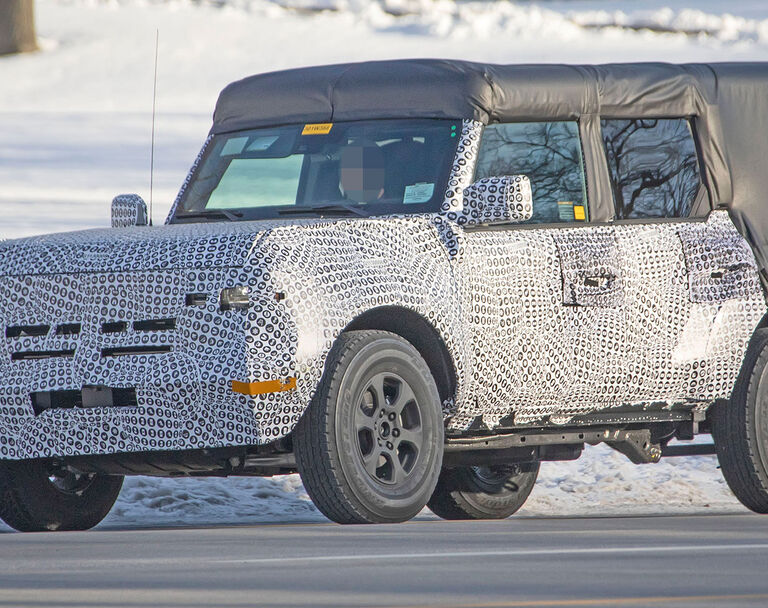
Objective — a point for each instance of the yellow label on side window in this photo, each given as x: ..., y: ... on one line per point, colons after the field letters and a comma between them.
x: 578, y: 213
x: 320, y: 128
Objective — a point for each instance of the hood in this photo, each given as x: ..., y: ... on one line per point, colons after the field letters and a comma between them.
x: 180, y: 246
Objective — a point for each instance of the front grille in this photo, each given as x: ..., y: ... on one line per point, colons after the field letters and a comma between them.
x: 88, y: 397
x: 63, y: 348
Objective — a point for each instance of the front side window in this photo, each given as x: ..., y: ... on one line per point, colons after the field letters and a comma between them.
x: 653, y: 166
x: 549, y: 153
x: 362, y: 168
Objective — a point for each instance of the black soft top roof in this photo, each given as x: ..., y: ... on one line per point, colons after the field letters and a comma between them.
x: 435, y: 88
x: 728, y: 100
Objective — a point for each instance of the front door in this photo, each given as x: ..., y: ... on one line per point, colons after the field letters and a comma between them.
x: 523, y: 343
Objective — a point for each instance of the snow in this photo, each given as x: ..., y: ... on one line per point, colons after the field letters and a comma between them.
x: 601, y: 483
x: 75, y: 131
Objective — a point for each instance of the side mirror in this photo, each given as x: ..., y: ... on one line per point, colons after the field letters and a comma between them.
x: 128, y: 210
x: 497, y: 200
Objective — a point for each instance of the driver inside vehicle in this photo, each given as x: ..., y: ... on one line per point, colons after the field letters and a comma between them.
x: 363, y: 172
x: 364, y: 167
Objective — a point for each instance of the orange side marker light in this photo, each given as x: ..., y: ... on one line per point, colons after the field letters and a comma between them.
x: 265, y: 387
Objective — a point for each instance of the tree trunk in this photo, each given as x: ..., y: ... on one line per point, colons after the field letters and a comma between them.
x: 17, y: 26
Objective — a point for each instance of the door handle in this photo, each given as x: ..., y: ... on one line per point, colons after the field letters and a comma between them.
x: 720, y: 273
x: 599, y: 281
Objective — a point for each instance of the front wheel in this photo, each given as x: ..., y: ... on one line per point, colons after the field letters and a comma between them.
x: 370, y: 446
x: 35, y: 497
x: 484, y: 492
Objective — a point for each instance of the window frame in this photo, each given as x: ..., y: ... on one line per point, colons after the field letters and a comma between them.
x: 178, y: 212
x: 534, y: 225
x: 703, y: 193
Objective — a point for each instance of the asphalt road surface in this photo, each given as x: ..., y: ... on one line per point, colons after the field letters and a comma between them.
x: 717, y: 561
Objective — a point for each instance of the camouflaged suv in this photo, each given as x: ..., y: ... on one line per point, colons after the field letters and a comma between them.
x: 411, y: 282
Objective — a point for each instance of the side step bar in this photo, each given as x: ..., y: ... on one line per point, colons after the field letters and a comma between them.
x: 696, y: 449
x: 636, y: 444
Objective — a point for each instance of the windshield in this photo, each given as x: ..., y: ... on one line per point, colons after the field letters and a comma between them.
x: 348, y: 168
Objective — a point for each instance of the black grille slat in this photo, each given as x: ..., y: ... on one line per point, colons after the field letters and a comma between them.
x: 24, y: 331
x: 123, y: 351
x: 155, y: 325
x: 69, y: 329
x: 33, y: 355
x: 74, y: 399
x: 114, y: 327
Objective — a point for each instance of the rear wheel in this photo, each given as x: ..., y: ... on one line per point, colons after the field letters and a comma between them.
x: 370, y: 445
x: 35, y: 497
x: 740, y: 429
x: 484, y: 492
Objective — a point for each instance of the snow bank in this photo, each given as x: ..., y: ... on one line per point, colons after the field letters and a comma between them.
x: 448, y: 18
x: 602, y: 482
x: 692, y: 22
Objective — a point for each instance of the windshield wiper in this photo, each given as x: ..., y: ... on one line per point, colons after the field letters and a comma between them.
x: 218, y: 214
x: 319, y: 209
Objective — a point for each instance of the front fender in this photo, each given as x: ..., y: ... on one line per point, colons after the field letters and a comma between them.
x: 327, y: 275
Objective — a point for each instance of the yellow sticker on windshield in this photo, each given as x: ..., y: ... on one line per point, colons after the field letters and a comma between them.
x: 579, y: 213
x: 320, y: 128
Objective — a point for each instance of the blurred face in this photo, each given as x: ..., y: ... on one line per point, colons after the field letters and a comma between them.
x: 362, y: 173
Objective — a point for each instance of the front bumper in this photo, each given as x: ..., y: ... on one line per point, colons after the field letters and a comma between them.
x: 112, y: 363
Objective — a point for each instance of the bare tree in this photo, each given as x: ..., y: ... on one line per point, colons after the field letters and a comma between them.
x: 17, y: 26
x: 547, y: 152
x: 653, y: 166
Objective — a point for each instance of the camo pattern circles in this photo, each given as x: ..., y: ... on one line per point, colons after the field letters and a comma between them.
x: 497, y: 199
x: 128, y: 210
x: 542, y: 324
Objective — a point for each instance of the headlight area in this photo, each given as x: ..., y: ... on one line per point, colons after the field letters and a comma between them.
x: 238, y: 298
x: 235, y: 298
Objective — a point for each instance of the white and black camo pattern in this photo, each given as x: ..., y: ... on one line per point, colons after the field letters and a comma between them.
x: 188, y: 179
x: 128, y: 210
x: 496, y: 199
x: 547, y: 344
x: 541, y: 323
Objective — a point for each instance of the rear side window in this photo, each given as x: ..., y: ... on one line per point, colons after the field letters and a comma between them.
x: 653, y: 165
x: 549, y: 153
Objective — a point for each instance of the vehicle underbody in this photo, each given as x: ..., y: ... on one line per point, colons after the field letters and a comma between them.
x: 644, y: 437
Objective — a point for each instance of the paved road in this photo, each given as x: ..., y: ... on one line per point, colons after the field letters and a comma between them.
x: 714, y: 561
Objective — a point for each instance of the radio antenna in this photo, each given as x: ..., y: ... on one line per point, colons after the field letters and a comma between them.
x: 152, y: 149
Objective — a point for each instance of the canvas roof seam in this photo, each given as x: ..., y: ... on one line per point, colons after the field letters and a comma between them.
x: 333, y: 86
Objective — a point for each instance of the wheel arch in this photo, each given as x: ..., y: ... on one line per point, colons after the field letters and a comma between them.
x: 416, y: 329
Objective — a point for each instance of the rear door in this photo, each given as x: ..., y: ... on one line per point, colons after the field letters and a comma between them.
x: 687, y: 272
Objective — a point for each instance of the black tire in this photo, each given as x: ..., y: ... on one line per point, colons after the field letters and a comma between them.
x: 740, y: 429
x: 487, y: 492
x: 36, y: 498
x: 368, y: 449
